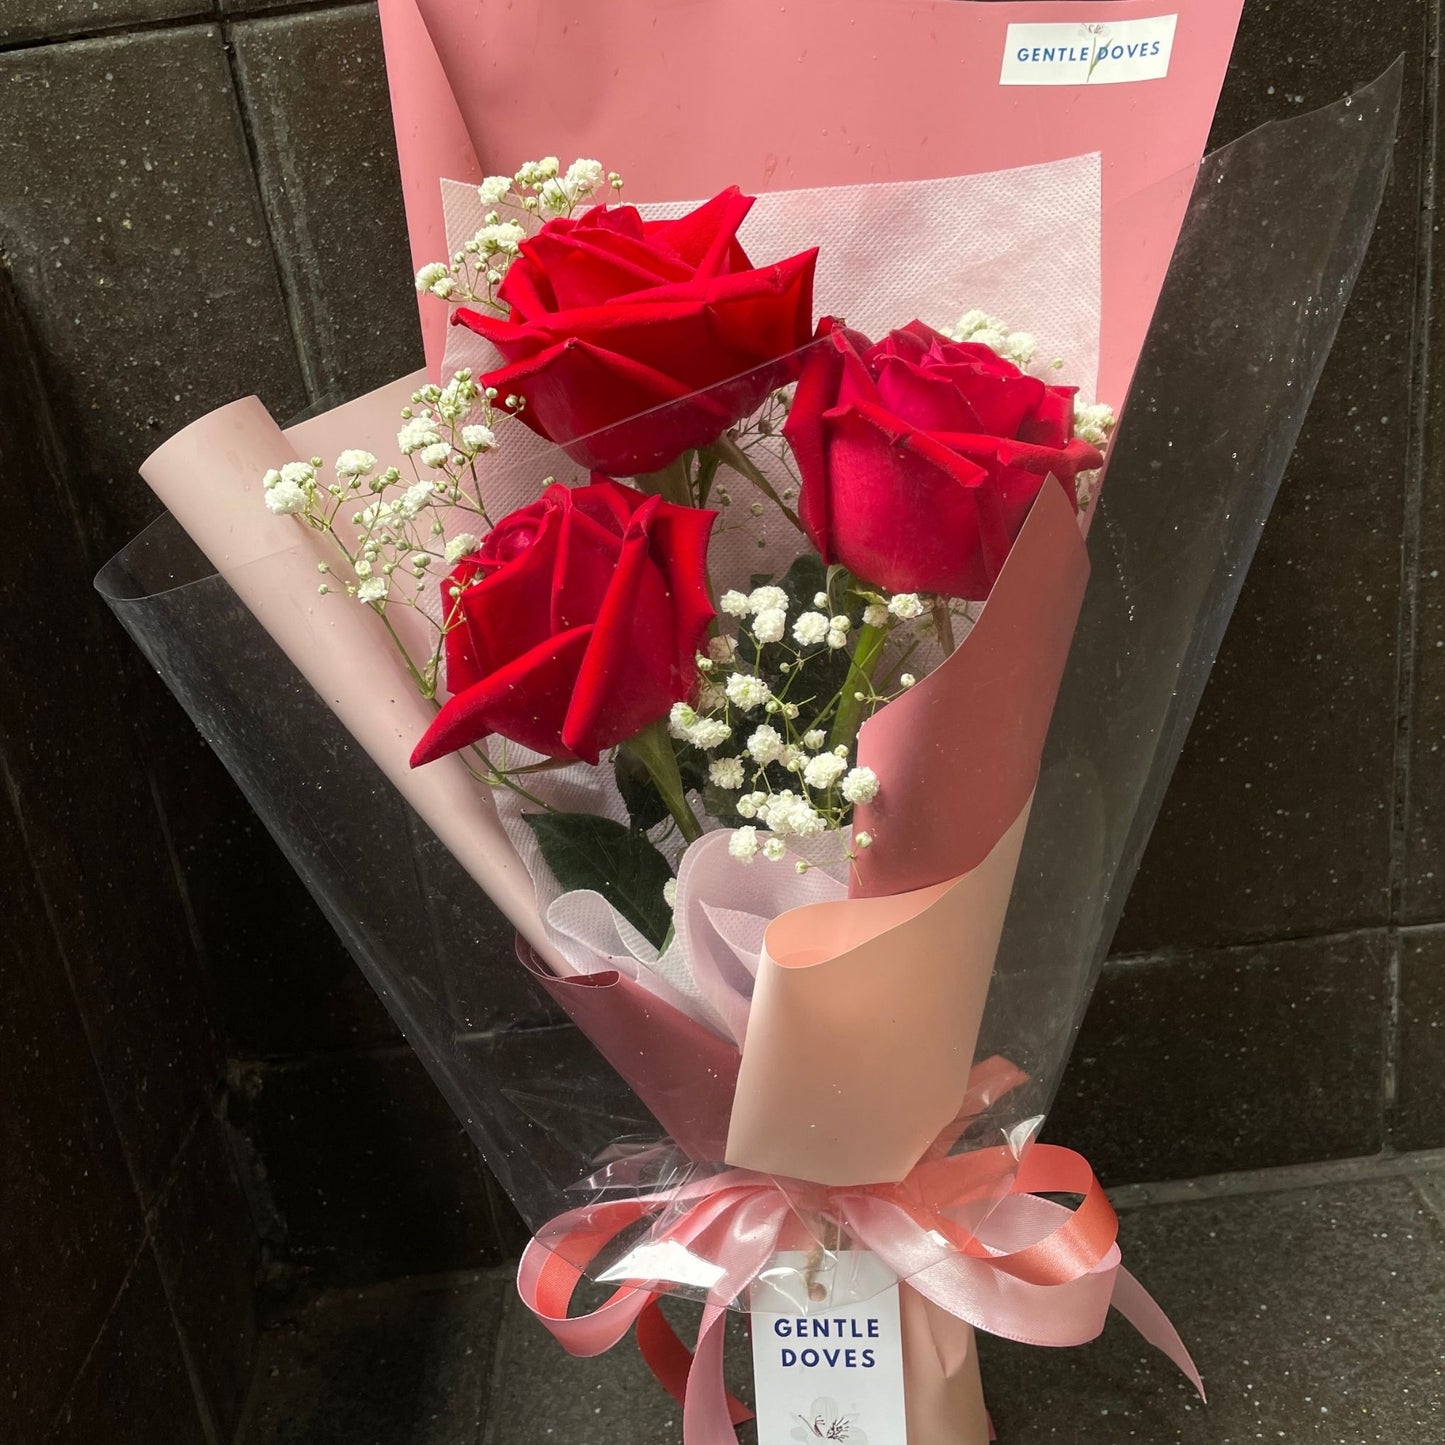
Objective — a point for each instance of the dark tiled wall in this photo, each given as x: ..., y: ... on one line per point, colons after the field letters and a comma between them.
x: 128, y: 1248
x: 223, y: 217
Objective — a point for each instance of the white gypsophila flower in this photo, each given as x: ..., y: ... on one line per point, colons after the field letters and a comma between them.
x: 669, y: 893
x: 270, y: 478
x: 554, y: 195
x: 456, y: 400
x: 774, y: 849
x: 765, y: 746
x: 810, y: 629
x: 863, y: 840
x: 354, y: 462
x: 363, y: 567
x: 815, y: 739
x: 767, y: 599
x: 710, y: 696
x: 973, y: 322
x: 420, y: 431
x: 749, y: 803
x: 722, y: 649
x: 462, y: 545
x: 994, y: 340
x: 838, y: 632
x: 430, y: 274
x: 680, y: 719
x: 907, y: 680
x: 502, y: 239
x: 1018, y: 347
x: 726, y: 773
x: 286, y: 499
x: 824, y: 770
x: 435, y: 455
x: 411, y: 501
x: 820, y: 599
x: 493, y: 190
x: 445, y: 288
x: 769, y: 626
x: 790, y: 816
x: 906, y: 606
x: 861, y: 785
x: 1093, y: 423
x: 372, y: 590
x: 478, y: 438
x: 743, y: 845
x: 584, y: 176
x: 875, y: 614
x: 301, y: 474
x: 735, y: 603
x: 746, y: 691
x: 708, y: 732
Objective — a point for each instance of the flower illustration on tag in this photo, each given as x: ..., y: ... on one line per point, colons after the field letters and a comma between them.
x: 1096, y: 31
x: 826, y: 1421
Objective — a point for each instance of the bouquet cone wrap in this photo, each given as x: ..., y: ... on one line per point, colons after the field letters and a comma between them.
x: 857, y: 1055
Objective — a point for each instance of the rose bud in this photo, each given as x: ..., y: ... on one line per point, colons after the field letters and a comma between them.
x: 583, y: 628
x: 920, y: 457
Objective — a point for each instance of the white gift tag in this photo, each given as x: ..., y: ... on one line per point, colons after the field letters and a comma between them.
x: 828, y: 1360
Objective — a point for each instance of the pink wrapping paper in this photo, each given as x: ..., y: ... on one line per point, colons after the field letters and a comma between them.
x: 866, y: 1012
x: 815, y: 92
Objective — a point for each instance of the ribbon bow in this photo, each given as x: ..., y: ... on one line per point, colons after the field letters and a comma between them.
x: 1025, y: 1268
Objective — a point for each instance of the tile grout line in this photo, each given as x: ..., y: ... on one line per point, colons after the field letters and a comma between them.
x: 1416, y: 460
x: 290, y: 297
x: 211, y: 16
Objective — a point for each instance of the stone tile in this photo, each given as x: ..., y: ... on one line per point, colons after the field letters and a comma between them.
x: 144, y: 258
x: 72, y: 1221
x: 134, y: 1389
x: 1313, y: 1315
x: 22, y: 20
x: 331, y: 186
x: 407, y: 1362
x: 1240, y: 1059
x: 368, y: 1169
x: 282, y: 982
x: 1422, y: 894
x: 1417, y: 1118
x: 205, y: 1243
x: 543, y: 1395
x: 1278, y: 820
x: 89, y: 821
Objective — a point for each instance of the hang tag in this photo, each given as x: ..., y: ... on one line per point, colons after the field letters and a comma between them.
x: 828, y: 1352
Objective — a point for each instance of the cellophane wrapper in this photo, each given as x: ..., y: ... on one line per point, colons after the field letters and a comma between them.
x: 586, y: 1068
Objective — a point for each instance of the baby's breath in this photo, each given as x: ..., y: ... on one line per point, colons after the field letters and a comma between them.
x: 539, y: 191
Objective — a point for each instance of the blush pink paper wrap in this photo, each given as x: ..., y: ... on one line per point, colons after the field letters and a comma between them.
x: 866, y: 1011
x: 689, y: 96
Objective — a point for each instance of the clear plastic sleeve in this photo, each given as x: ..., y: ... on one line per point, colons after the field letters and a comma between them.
x: 608, y: 1088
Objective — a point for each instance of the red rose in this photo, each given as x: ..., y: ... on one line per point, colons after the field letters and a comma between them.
x: 584, y: 628
x: 612, y: 316
x: 920, y: 457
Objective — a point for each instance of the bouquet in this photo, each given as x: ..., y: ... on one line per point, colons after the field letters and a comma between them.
x: 723, y: 606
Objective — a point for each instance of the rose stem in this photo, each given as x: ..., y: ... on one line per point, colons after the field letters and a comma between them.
x: 943, y: 625
x: 732, y: 455
x: 849, y: 717
x: 652, y: 747
x: 672, y: 483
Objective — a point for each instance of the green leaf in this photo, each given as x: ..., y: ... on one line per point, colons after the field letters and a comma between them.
x: 585, y: 851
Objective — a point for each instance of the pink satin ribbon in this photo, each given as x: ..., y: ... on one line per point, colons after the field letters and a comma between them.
x: 1032, y: 1271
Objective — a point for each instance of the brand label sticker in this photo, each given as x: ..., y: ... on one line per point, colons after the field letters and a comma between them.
x: 1102, y: 52
x: 828, y: 1352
